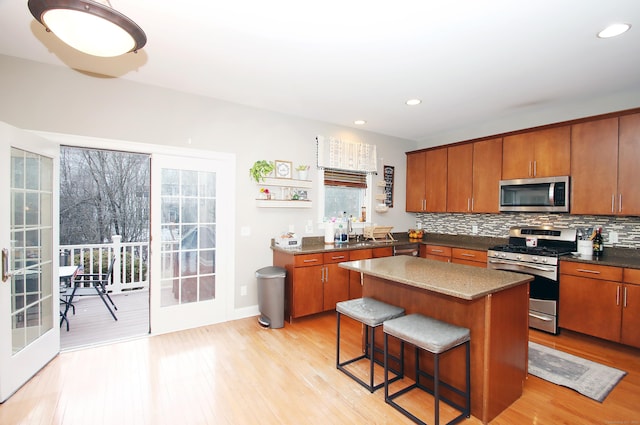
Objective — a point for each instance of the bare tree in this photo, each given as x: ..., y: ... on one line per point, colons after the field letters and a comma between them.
x: 103, y: 193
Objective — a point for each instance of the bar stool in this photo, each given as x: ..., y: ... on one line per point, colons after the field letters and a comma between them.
x: 436, y: 337
x: 371, y: 313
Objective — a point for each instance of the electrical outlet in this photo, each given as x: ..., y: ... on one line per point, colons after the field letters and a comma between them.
x: 243, y: 290
x: 613, y: 237
x: 308, y: 228
x: 474, y: 229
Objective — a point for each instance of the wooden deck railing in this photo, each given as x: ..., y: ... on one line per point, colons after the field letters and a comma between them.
x: 130, y: 269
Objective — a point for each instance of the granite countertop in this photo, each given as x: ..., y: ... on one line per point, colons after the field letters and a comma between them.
x: 616, y: 257
x: 451, y: 279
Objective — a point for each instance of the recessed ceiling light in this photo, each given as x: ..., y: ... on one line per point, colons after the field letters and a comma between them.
x: 614, y: 30
x: 413, y: 102
x: 359, y: 122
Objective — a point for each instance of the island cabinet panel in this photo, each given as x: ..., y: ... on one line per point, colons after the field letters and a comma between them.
x: 355, y: 281
x: 499, y: 332
x: 469, y: 257
x: 538, y: 153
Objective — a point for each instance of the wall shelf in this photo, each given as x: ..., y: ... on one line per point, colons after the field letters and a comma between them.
x: 284, y: 203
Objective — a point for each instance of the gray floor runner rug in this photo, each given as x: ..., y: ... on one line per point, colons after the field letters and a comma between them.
x: 584, y: 376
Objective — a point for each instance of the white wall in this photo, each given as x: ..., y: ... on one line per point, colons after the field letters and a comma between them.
x: 56, y: 99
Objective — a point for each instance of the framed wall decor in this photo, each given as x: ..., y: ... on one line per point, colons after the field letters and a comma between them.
x: 284, y: 169
x: 388, y: 171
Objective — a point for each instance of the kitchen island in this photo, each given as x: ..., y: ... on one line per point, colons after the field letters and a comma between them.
x: 493, y: 304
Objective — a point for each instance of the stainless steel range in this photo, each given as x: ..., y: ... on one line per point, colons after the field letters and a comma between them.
x: 535, y: 251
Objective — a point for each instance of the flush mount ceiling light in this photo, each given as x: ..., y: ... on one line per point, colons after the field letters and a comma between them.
x: 93, y: 27
x: 614, y: 30
x: 359, y: 122
x: 413, y: 102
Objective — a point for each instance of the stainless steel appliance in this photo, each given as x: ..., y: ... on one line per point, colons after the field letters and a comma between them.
x: 535, y: 251
x: 535, y: 195
x: 412, y: 249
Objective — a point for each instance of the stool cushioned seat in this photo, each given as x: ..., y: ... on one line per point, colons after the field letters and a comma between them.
x: 427, y: 333
x: 369, y: 311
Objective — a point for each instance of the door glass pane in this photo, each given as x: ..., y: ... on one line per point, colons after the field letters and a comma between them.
x: 31, y: 245
x: 188, y: 207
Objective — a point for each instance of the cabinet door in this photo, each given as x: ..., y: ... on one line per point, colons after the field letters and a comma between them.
x: 436, y: 180
x: 416, y: 181
x: 355, y: 283
x: 594, y: 164
x: 631, y: 315
x: 459, y: 178
x: 590, y: 306
x: 307, y: 291
x: 552, y: 156
x: 540, y: 153
x: 336, y: 286
x: 487, y: 172
x: 517, y: 156
x: 436, y: 252
x: 628, y: 169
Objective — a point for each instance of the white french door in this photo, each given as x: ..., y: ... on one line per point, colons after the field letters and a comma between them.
x: 192, y: 247
x: 29, y: 289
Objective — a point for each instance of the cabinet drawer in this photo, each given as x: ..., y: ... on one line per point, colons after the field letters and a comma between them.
x: 308, y: 260
x: 469, y: 255
x: 632, y: 276
x: 592, y: 271
x: 336, y: 257
x: 443, y: 251
x: 360, y: 254
x: 387, y: 251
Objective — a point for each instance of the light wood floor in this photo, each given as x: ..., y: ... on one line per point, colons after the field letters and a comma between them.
x: 239, y: 373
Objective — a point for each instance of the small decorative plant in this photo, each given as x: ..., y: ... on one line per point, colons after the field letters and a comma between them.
x: 261, y: 169
x: 302, y: 168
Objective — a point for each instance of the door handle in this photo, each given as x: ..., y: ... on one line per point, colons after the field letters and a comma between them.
x: 5, y: 264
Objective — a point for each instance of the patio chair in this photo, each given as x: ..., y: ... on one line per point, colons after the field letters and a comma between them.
x: 98, y: 282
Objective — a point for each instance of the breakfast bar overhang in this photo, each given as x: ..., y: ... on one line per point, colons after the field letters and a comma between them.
x: 493, y: 304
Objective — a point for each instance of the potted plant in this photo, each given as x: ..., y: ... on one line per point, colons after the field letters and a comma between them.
x: 302, y: 171
x: 261, y: 169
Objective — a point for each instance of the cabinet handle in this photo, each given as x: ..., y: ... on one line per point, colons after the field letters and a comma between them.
x: 535, y: 168
x: 468, y: 204
x: 530, y: 175
x: 339, y: 257
x: 322, y: 274
x: 471, y: 203
x: 326, y: 274
x: 361, y: 279
x: 588, y: 271
x: 314, y: 260
x: 620, y: 202
x: 5, y: 264
x: 618, y: 295
x: 613, y: 202
x: 437, y: 250
x: 464, y: 254
x: 624, y: 299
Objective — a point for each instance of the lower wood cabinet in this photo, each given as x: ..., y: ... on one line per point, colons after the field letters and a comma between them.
x: 469, y: 257
x: 600, y: 301
x: 436, y: 252
x: 315, y: 282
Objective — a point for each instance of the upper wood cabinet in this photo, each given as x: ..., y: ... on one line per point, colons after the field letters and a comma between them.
x: 427, y: 181
x: 473, y: 174
x: 604, y: 170
x: 541, y: 153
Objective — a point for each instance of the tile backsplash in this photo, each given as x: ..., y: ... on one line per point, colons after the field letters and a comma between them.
x: 497, y: 225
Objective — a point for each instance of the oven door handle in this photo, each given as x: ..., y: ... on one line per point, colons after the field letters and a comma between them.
x: 530, y: 266
x: 543, y: 318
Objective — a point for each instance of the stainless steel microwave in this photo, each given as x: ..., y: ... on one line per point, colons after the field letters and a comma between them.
x: 545, y: 194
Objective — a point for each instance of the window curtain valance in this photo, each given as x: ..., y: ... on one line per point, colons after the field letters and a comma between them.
x: 336, y: 154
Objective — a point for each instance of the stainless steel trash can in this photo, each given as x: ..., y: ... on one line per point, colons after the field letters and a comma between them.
x: 271, y: 296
